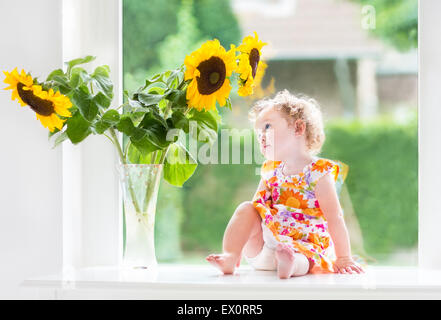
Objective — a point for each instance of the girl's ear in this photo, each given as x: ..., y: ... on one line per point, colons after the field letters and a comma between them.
x: 299, y: 127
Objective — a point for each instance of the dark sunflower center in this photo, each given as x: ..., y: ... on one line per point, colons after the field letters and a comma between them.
x: 40, y: 106
x: 254, y: 60
x: 212, y: 75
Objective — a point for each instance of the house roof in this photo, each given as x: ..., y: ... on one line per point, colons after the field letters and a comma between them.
x: 307, y: 29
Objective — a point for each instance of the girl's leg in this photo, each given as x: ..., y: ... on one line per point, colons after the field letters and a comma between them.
x: 290, y: 263
x: 242, y: 230
x: 255, y: 243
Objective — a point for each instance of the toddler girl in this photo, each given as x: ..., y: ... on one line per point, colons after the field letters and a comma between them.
x: 294, y: 223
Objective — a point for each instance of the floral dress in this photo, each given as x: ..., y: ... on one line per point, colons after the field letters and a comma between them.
x: 290, y: 210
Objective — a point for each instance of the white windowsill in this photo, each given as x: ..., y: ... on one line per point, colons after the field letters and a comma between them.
x: 204, y: 282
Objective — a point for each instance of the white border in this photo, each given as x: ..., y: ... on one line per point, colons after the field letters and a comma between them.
x: 91, y: 197
x: 429, y: 131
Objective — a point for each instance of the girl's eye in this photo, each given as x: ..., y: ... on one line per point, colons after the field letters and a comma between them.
x: 267, y: 126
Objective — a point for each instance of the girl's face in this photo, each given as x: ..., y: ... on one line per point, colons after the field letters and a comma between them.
x: 278, y: 140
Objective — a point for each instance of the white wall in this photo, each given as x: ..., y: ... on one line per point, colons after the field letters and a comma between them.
x: 60, y: 208
x: 31, y: 179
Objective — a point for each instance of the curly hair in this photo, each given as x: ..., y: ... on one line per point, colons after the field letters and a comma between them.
x: 293, y: 108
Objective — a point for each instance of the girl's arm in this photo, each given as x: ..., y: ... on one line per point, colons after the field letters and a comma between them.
x: 329, y: 204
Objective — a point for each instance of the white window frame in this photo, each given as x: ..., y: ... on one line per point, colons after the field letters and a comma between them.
x: 429, y: 131
x: 92, y: 219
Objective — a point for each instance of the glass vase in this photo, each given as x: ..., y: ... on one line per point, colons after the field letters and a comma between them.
x: 140, y: 184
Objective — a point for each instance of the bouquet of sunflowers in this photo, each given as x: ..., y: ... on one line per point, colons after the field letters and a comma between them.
x: 73, y: 104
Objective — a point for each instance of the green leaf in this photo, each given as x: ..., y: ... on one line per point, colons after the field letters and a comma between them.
x: 210, y: 118
x: 207, y: 125
x: 179, y: 165
x: 62, y: 83
x: 78, y: 128
x: 60, y: 138
x: 175, y: 78
x: 101, y: 80
x: 156, y: 88
x: 162, y: 105
x: 228, y: 104
x: 125, y: 125
x: 151, y: 133
x: 142, y: 140
x: 52, y: 133
x: 134, y: 156
x: 149, y: 99
x: 83, y: 100
x: 70, y: 64
x: 134, y: 103
x: 158, y: 136
x: 153, y: 118
x: 148, y: 82
x: 101, y: 126
x: 178, y: 97
x: 135, y: 110
x: 78, y: 76
x: 155, y: 78
x: 57, y: 72
x: 101, y: 100
x: 111, y: 116
x: 180, y: 121
x: 75, y: 80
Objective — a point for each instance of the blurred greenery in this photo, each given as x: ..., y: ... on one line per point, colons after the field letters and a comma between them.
x: 383, y: 184
x: 146, y: 30
x: 382, y: 180
x: 216, y: 20
x: 161, y: 33
x: 396, y: 22
x: 169, y: 214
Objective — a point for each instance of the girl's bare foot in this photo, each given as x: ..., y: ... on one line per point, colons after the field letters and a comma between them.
x: 285, y: 261
x: 225, y: 262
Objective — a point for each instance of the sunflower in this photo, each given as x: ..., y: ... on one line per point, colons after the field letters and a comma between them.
x: 47, y: 105
x: 13, y: 79
x: 209, y: 69
x: 250, y: 64
x: 258, y: 91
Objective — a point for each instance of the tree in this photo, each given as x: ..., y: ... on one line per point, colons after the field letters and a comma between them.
x: 146, y: 24
x: 217, y: 20
x: 396, y: 22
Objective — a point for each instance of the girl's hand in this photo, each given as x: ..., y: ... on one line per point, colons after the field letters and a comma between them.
x: 347, y: 265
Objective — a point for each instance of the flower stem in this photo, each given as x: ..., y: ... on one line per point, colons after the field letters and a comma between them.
x: 152, y: 183
x: 126, y: 150
x: 118, y: 147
